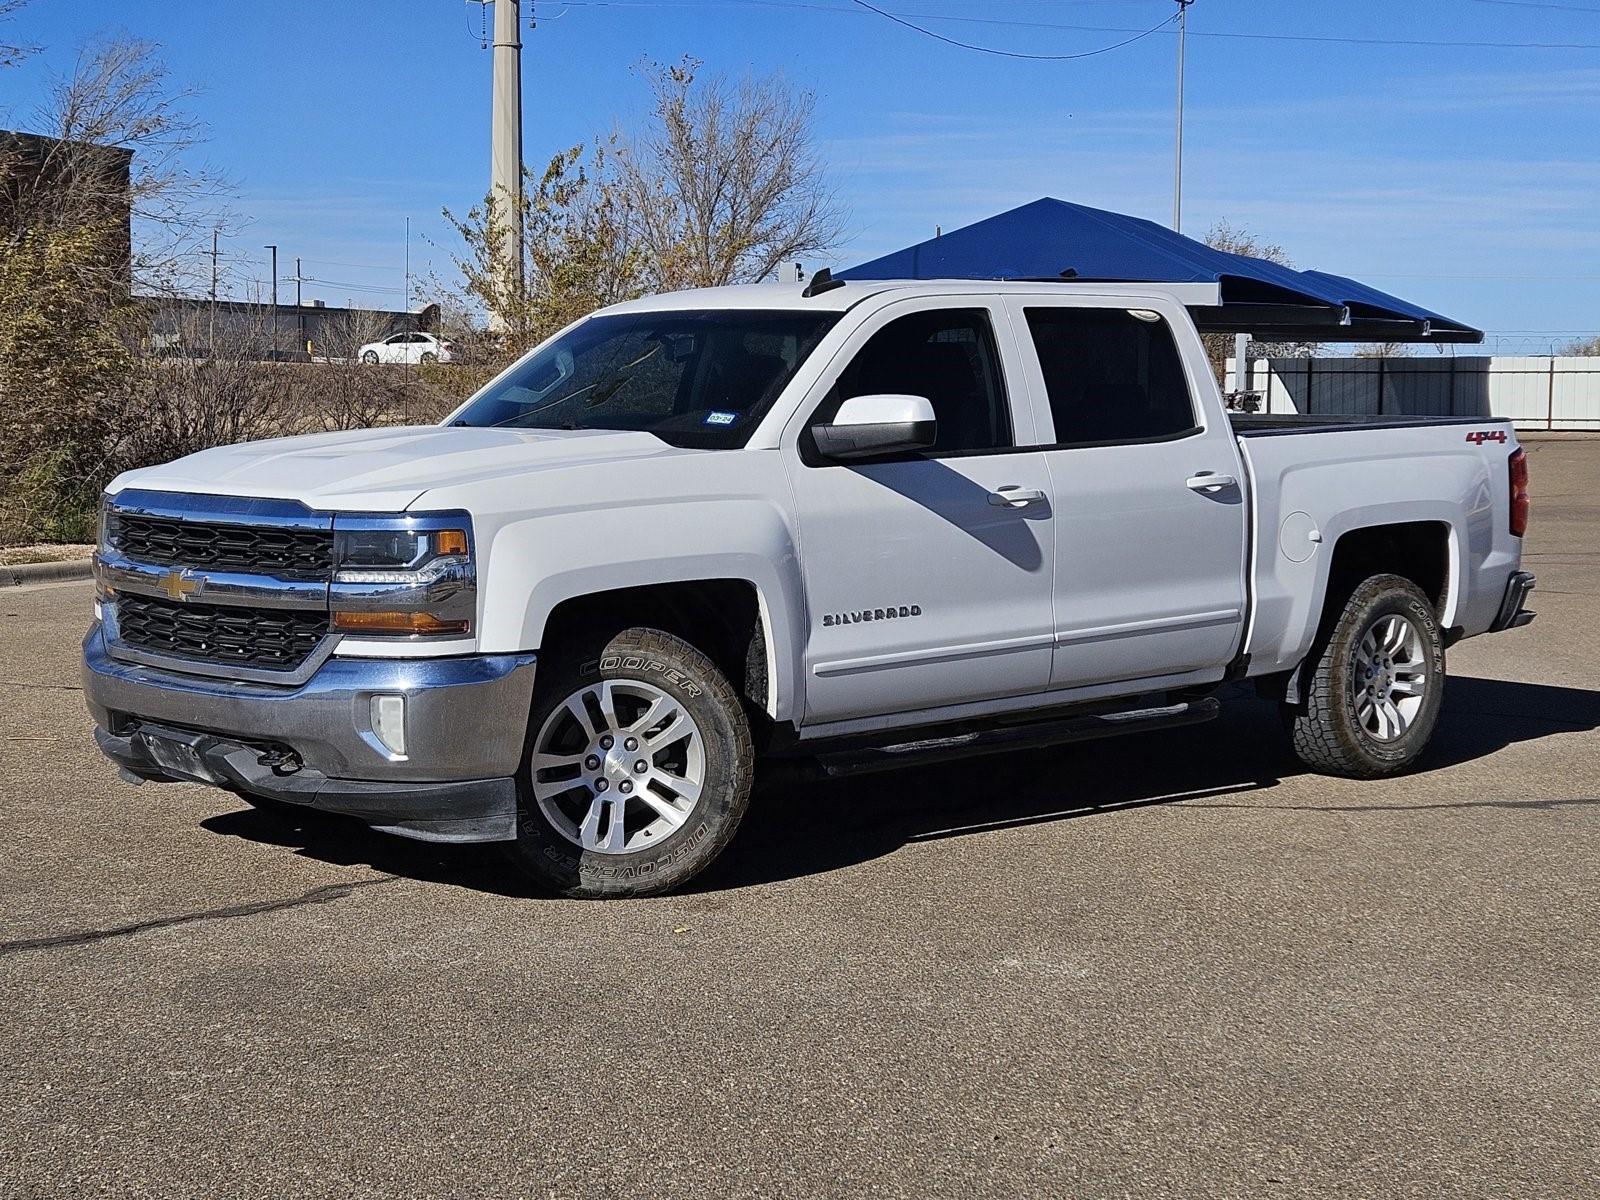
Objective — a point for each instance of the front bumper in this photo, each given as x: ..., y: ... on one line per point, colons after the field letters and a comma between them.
x: 313, y: 744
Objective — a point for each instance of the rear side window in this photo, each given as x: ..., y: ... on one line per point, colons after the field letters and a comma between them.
x: 1111, y: 376
x: 948, y: 356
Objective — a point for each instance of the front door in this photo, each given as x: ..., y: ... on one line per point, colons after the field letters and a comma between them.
x: 928, y: 578
x: 1150, y: 556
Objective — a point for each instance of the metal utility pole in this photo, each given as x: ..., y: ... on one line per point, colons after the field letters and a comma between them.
x: 211, y: 322
x: 274, y: 250
x: 1177, y: 165
x: 505, y: 183
x: 408, y: 264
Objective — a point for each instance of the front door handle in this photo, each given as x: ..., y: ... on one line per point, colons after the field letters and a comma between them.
x: 1013, y: 495
x: 1207, y: 481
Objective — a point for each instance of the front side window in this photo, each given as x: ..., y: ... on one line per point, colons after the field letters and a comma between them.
x: 1111, y: 375
x: 700, y: 379
x: 947, y: 356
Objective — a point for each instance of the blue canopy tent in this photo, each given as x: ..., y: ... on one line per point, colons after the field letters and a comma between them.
x: 1056, y: 240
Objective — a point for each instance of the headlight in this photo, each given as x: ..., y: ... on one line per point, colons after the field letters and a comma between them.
x: 406, y: 576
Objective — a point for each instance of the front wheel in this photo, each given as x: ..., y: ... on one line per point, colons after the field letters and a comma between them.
x: 370, y: 358
x: 637, y: 772
x: 1374, y: 686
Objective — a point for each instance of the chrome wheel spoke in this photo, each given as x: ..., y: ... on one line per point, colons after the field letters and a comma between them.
x: 671, y: 813
x: 589, y: 829
x: 616, y: 828
x: 557, y: 762
x: 676, y: 726
x: 579, y: 712
x: 606, y: 699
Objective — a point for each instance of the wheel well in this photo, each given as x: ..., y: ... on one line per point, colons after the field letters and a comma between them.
x: 719, y: 617
x: 1417, y: 550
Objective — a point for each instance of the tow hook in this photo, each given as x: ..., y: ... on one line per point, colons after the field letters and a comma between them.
x: 280, y: 760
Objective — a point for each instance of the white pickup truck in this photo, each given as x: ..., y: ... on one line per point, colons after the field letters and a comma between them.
x: 855, y: 525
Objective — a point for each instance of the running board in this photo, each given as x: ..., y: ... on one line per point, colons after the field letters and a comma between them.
x: 859, y: 760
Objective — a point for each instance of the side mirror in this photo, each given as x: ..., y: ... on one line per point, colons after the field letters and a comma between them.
x: 873, y: 426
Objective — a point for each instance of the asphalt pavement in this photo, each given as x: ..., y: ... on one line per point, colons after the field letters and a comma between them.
x: 1173, y: 964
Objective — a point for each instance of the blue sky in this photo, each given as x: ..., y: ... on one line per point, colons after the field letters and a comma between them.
x: 1465, y: 178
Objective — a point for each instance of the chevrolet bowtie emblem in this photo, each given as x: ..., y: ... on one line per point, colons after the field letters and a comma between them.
x: 178, y: 585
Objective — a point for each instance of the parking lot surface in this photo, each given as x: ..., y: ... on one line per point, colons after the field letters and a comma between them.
x: 1173, y: 964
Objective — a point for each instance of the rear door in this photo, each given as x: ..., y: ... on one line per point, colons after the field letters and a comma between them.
x: 928, y: 577
x: 1150, y: 521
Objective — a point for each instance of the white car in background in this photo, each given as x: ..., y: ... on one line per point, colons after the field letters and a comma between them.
x: 407, y: 348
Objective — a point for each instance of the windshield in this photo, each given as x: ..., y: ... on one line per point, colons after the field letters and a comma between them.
x: 693, y: 378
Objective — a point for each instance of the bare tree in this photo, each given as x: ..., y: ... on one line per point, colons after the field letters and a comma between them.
x: 118, y: 150
x: 722, y: 186
x: 12, y: 52
x: 72, y: 392
x: 726, y: 185
x: 178, y: 404
x: 577, y: 253
x: 1583, y: 348
x: 1383, y: 350
x: 1219, y: 346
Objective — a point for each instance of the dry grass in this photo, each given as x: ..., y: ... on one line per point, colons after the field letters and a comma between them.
x: 12, y: 556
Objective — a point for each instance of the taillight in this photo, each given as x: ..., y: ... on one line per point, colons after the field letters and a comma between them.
x: 1517, y: 469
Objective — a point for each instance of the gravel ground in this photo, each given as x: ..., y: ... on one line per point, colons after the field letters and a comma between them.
x: 1169, y: 965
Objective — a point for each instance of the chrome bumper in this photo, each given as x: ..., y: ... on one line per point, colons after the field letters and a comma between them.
x: 313, y: 744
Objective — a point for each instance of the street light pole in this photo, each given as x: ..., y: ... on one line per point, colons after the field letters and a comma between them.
x: 1177, y: 165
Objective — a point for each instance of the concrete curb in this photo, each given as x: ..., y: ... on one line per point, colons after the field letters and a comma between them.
x: 46, y: 572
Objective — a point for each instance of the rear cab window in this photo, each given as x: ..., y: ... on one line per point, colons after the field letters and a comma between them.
x: 1112, y: 376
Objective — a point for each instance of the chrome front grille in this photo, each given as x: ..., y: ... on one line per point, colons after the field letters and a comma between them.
x: 283, y: 553
x: 256, y: 638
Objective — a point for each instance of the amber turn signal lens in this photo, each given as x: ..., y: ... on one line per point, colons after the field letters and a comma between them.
x: 394, y: 622
x: 450, y: 541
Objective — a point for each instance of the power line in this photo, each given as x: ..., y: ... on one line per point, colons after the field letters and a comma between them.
x: 1315, y: 39
x: 1541, y: 4
x: 939, y: 37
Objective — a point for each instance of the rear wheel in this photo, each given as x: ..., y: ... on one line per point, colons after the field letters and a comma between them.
x: 637, y: 772
x: 428, y: 356
x: 1374, y: 686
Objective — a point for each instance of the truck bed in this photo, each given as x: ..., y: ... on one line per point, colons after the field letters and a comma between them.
x: 1269, y: 424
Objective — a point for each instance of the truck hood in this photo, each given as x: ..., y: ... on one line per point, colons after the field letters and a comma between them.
x: 385, y: 470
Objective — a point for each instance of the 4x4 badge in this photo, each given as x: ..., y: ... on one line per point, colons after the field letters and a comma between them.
x: 178, y: 585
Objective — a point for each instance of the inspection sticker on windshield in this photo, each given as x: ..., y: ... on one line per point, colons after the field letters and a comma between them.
x: 721, y: 418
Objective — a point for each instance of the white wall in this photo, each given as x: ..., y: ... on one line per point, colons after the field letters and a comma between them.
x: 1536, y: 393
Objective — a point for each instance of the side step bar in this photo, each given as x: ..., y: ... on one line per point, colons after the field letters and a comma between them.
x: 861, y: 759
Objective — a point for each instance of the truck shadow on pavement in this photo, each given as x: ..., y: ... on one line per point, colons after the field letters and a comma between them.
x: 799, y: 829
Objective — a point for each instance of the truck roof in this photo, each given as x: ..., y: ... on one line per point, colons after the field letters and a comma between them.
x: 789, y: 295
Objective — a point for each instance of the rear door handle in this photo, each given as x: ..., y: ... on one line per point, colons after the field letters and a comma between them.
x: 1013, y: 495
x: 1207, y: 481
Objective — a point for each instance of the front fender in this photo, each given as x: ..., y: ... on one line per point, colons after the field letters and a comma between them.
x: 534, y: 564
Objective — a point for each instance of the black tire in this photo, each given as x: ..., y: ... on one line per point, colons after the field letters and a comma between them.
x: 370, y: 358
x: 428, y: 356
x: 672, y: 665
x: 1328, y: 735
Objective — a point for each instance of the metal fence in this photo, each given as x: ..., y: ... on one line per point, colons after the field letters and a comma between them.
x: 1536, y: 393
